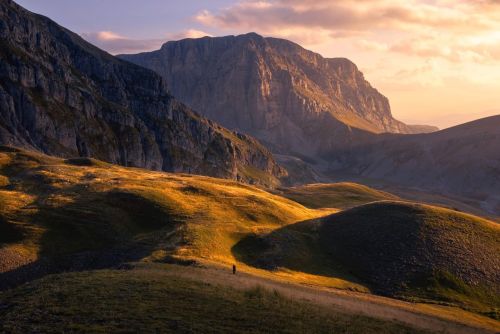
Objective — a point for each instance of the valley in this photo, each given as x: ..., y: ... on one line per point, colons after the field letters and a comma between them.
x: 81, y: 214
x: 234, y: 184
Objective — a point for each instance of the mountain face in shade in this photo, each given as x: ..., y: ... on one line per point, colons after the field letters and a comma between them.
x: 65, y: 97
x: 463, y: 160
x: 292, y: 99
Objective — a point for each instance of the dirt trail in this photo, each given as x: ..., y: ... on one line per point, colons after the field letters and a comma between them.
x: 415, y: 315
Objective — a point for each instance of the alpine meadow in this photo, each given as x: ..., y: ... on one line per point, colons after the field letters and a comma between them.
x: 239, y: 166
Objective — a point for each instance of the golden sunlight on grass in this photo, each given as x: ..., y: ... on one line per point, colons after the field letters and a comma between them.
x: 66, y: 206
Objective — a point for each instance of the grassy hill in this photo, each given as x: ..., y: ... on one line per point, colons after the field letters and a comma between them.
x: 154, y: 301
x: 77, y: 214
x: 404, y: 250
x: 334, y: 195
x: 419, y: 251
x: 95, y: 214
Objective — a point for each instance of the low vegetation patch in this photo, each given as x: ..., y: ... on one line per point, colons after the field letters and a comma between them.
x: 150, y: 302
x: 335, y: 195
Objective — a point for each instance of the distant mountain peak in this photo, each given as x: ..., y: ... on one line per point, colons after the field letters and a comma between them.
x: 63, y: 96
x: 291, y: 98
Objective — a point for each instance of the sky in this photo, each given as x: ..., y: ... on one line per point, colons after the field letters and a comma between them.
x: 438, y: 61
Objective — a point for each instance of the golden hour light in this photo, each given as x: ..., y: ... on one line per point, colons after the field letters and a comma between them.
x: 250, y: 166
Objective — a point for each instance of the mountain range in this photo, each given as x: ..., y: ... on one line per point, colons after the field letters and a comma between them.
x: 104, y: 227
x: 65, y: 97
x: 463, y: 160
x: 323, y: 120
x: 320, y: 117
x: 292, y: 99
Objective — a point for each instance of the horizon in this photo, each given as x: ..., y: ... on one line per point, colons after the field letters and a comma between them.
x: 442, y: 68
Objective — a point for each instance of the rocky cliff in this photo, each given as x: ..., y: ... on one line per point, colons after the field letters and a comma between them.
x: 292, y: 99
x: 65, y: 97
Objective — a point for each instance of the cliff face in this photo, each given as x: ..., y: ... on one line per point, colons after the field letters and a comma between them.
x: 65, y: 97
x: 292, y: 99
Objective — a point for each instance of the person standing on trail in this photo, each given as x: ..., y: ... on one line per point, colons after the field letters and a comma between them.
x: 234, y: 269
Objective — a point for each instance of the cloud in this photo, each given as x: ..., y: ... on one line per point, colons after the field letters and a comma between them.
x: 190, y: 33
x: 115, y: 43
x: 419, y: 28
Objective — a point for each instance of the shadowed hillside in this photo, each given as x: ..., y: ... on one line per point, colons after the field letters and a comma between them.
x: 409, y: 251
x: 463, y: 161
x: 81, y: 213
x: 152, y: 301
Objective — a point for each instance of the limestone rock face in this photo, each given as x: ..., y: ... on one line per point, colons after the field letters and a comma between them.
x: 65, y: 97
x: 292, y: 99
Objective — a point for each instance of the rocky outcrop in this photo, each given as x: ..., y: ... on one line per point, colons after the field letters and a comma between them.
x: 292, y: 99
x: 65, y: 97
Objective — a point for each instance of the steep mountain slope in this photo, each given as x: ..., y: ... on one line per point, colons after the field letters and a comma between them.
x: 463, y: 160
x: 399, y: 249
x: 292, y: 99
x: 63, y: 96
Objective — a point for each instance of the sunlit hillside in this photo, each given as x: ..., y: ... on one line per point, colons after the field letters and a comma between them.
x: 53, y: 208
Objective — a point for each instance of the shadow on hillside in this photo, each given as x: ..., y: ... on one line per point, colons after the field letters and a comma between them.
x: 94, y: 231
x: 295, y: 247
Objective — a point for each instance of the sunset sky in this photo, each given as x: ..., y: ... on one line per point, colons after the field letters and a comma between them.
x: 438, y: 61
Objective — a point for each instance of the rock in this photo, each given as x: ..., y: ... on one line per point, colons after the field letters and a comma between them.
x: 65, y: 97
x: 292, y: 99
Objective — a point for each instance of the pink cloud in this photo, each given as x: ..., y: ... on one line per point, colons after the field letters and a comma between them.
x: 115, y: 43
x: 435, y: 29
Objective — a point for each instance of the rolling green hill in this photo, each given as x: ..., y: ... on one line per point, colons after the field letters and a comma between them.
x: 404, y: 250
x: 154, y: 301
x: 419, y: 251
x: 89, y: 214
x: 334, y: 195
x: 78, y: 214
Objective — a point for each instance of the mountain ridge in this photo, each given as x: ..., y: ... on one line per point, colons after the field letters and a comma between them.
x: 461, y: 160
x: 292, y: 99
x: 64, y: 96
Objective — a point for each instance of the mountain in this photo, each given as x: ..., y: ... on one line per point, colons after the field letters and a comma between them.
x: 292, y: 99
x: 462, y: 160
x: 63, y: 96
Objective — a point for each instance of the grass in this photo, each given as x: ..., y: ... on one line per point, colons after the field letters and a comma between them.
x: 151, y: 302
x: 60, y: 209
x: 336, y: 195
x: 295, y: 250
x: 419, y: 252
x: 408, y: 251
x: 53, y: 207
x: 442, y: 287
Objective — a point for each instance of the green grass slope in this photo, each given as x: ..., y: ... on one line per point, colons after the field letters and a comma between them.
x: 150, y: 301
x: 334, y: 195
x: 93, y: 214
x: 399, y: 249
x: 419, y: 252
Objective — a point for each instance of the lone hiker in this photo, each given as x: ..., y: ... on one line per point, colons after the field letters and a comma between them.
x: 234, y: 269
